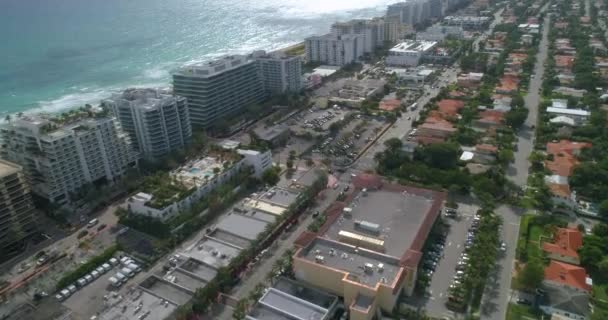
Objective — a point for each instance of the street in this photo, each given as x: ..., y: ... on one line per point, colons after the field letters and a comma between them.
x: 497, y: 294
x: 402, y: 126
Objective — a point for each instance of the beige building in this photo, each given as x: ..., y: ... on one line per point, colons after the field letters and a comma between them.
x: 369, y: 259
x: 16, y: 208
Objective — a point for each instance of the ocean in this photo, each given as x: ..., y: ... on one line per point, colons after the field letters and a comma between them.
x: 60, y: 54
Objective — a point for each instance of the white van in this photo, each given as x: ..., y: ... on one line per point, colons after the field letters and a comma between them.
x: 114, y: 261
x: 120, y: 277
x: 92, y: 223
x: 65, y: 293
x: 134, y: 267
x: 127, y: 272
x: 106, y: 267
x: 95, y: 274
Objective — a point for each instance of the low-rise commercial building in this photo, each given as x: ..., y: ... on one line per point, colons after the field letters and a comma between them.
x: 408, y: 53
x: 439, y: 33
x: 191, y: 182
x: 369, y: 259
x: 467, y: 22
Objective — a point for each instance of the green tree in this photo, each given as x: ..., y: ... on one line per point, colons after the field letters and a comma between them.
x: 271, y: 176
x: 532, y: 275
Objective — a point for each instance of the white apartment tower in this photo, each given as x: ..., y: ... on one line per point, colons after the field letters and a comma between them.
x: 218, y: 89
x: 157, y: 122
x: 280, y: 73
x: 61, y: 154
x: 334, y: 50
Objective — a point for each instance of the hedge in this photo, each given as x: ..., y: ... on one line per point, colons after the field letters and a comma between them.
x: 71, y: 277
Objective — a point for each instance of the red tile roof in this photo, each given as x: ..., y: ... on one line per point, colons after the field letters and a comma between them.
x: 508, y: 83
x: 450, y: 107
x: 390, y: 104
x: 486, y: 148
x: 566, y: 242
x: 567, y: 146
x: 564, y: 61
x: 492, y: 116
x: 567, y: 274
x: 564, y: 156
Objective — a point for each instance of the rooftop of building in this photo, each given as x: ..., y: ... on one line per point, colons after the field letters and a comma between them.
x: 413, y: 46
x: 565, y: 299
x: 566, y: 146
x: 450, y: 107
x: 8, y: 168
x: 382, y: 269
x: 559, y: 190
x: 211, y: 68
x: 396, y: 216
x: 573, y: 112
x: 290, y: 300
x: 156, y: 308
x: 269, y: 133
x: 59, y: 124
x: 248, y: 227
x: 567, y: 274
x: 143, y: 98
x: 210, y: 252
x: 566, y: 242
x: 492, y: 116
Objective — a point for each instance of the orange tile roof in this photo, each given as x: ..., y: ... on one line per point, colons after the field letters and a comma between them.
x: 429, y: 140
x: 567, y: 146
x: 567, y: 274
x: 560, y: 190
x: 486, y: 147
x: 492, y: 116
x: 390, y: 104
x: 566, y: 242
x: 508, y: 83
x: 450, y: 107
x: 564, y: 61
x: 562, y: 164
x: 585, y: 19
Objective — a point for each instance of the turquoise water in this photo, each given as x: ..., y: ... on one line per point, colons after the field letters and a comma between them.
x: 57, y: 54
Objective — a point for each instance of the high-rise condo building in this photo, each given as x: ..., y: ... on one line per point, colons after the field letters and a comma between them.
x: 61, y: 154
x: 280, y: 73
x: 371, y: 30
x: 156, y: 122
x: 17, y: 219
x: 219, y: 88
x: 334, y: 50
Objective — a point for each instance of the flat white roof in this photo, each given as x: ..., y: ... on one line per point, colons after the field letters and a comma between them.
x: 574, y: 112
x: 413, y: 46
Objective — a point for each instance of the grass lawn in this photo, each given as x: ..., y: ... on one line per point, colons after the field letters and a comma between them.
x: 521, y: 312
x: 600, y: 296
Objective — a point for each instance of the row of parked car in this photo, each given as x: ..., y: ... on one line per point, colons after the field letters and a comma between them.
x: 433, y: 255
x: 130, y: 268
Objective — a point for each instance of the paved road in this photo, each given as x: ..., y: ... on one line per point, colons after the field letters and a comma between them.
x: 402, y: 126
x: 497, y: 295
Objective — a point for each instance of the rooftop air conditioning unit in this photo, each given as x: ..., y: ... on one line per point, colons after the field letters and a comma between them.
x: 319, y: 259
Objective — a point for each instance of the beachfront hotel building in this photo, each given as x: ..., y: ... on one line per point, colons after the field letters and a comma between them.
x: 335, y: 50
x: 60, y: 154
x: 17, y: 215
x: 219, y: 89
x: 280, y: 73
x: 157, y: 122
x: 370, y: 246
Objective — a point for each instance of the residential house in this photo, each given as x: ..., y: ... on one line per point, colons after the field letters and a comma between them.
x: 559, y: 108
x: 562, y: 156
x: 564, y: 303
x: 568, y: 275
x: 564, y: 47
x: 571, y: 92
x: 449, y: 108
x: 470, y: 80
x: 601, y: 65
x: 485, y: 153
x: 564, y: 63
x: 434, y: 130
x: 566, y: 242
x: 490, y: 119
x: 508, y: 84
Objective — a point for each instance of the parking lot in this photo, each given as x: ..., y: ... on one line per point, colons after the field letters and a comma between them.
x: 349, y: 142
x: 315, y: 121
x: 442, y: 270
